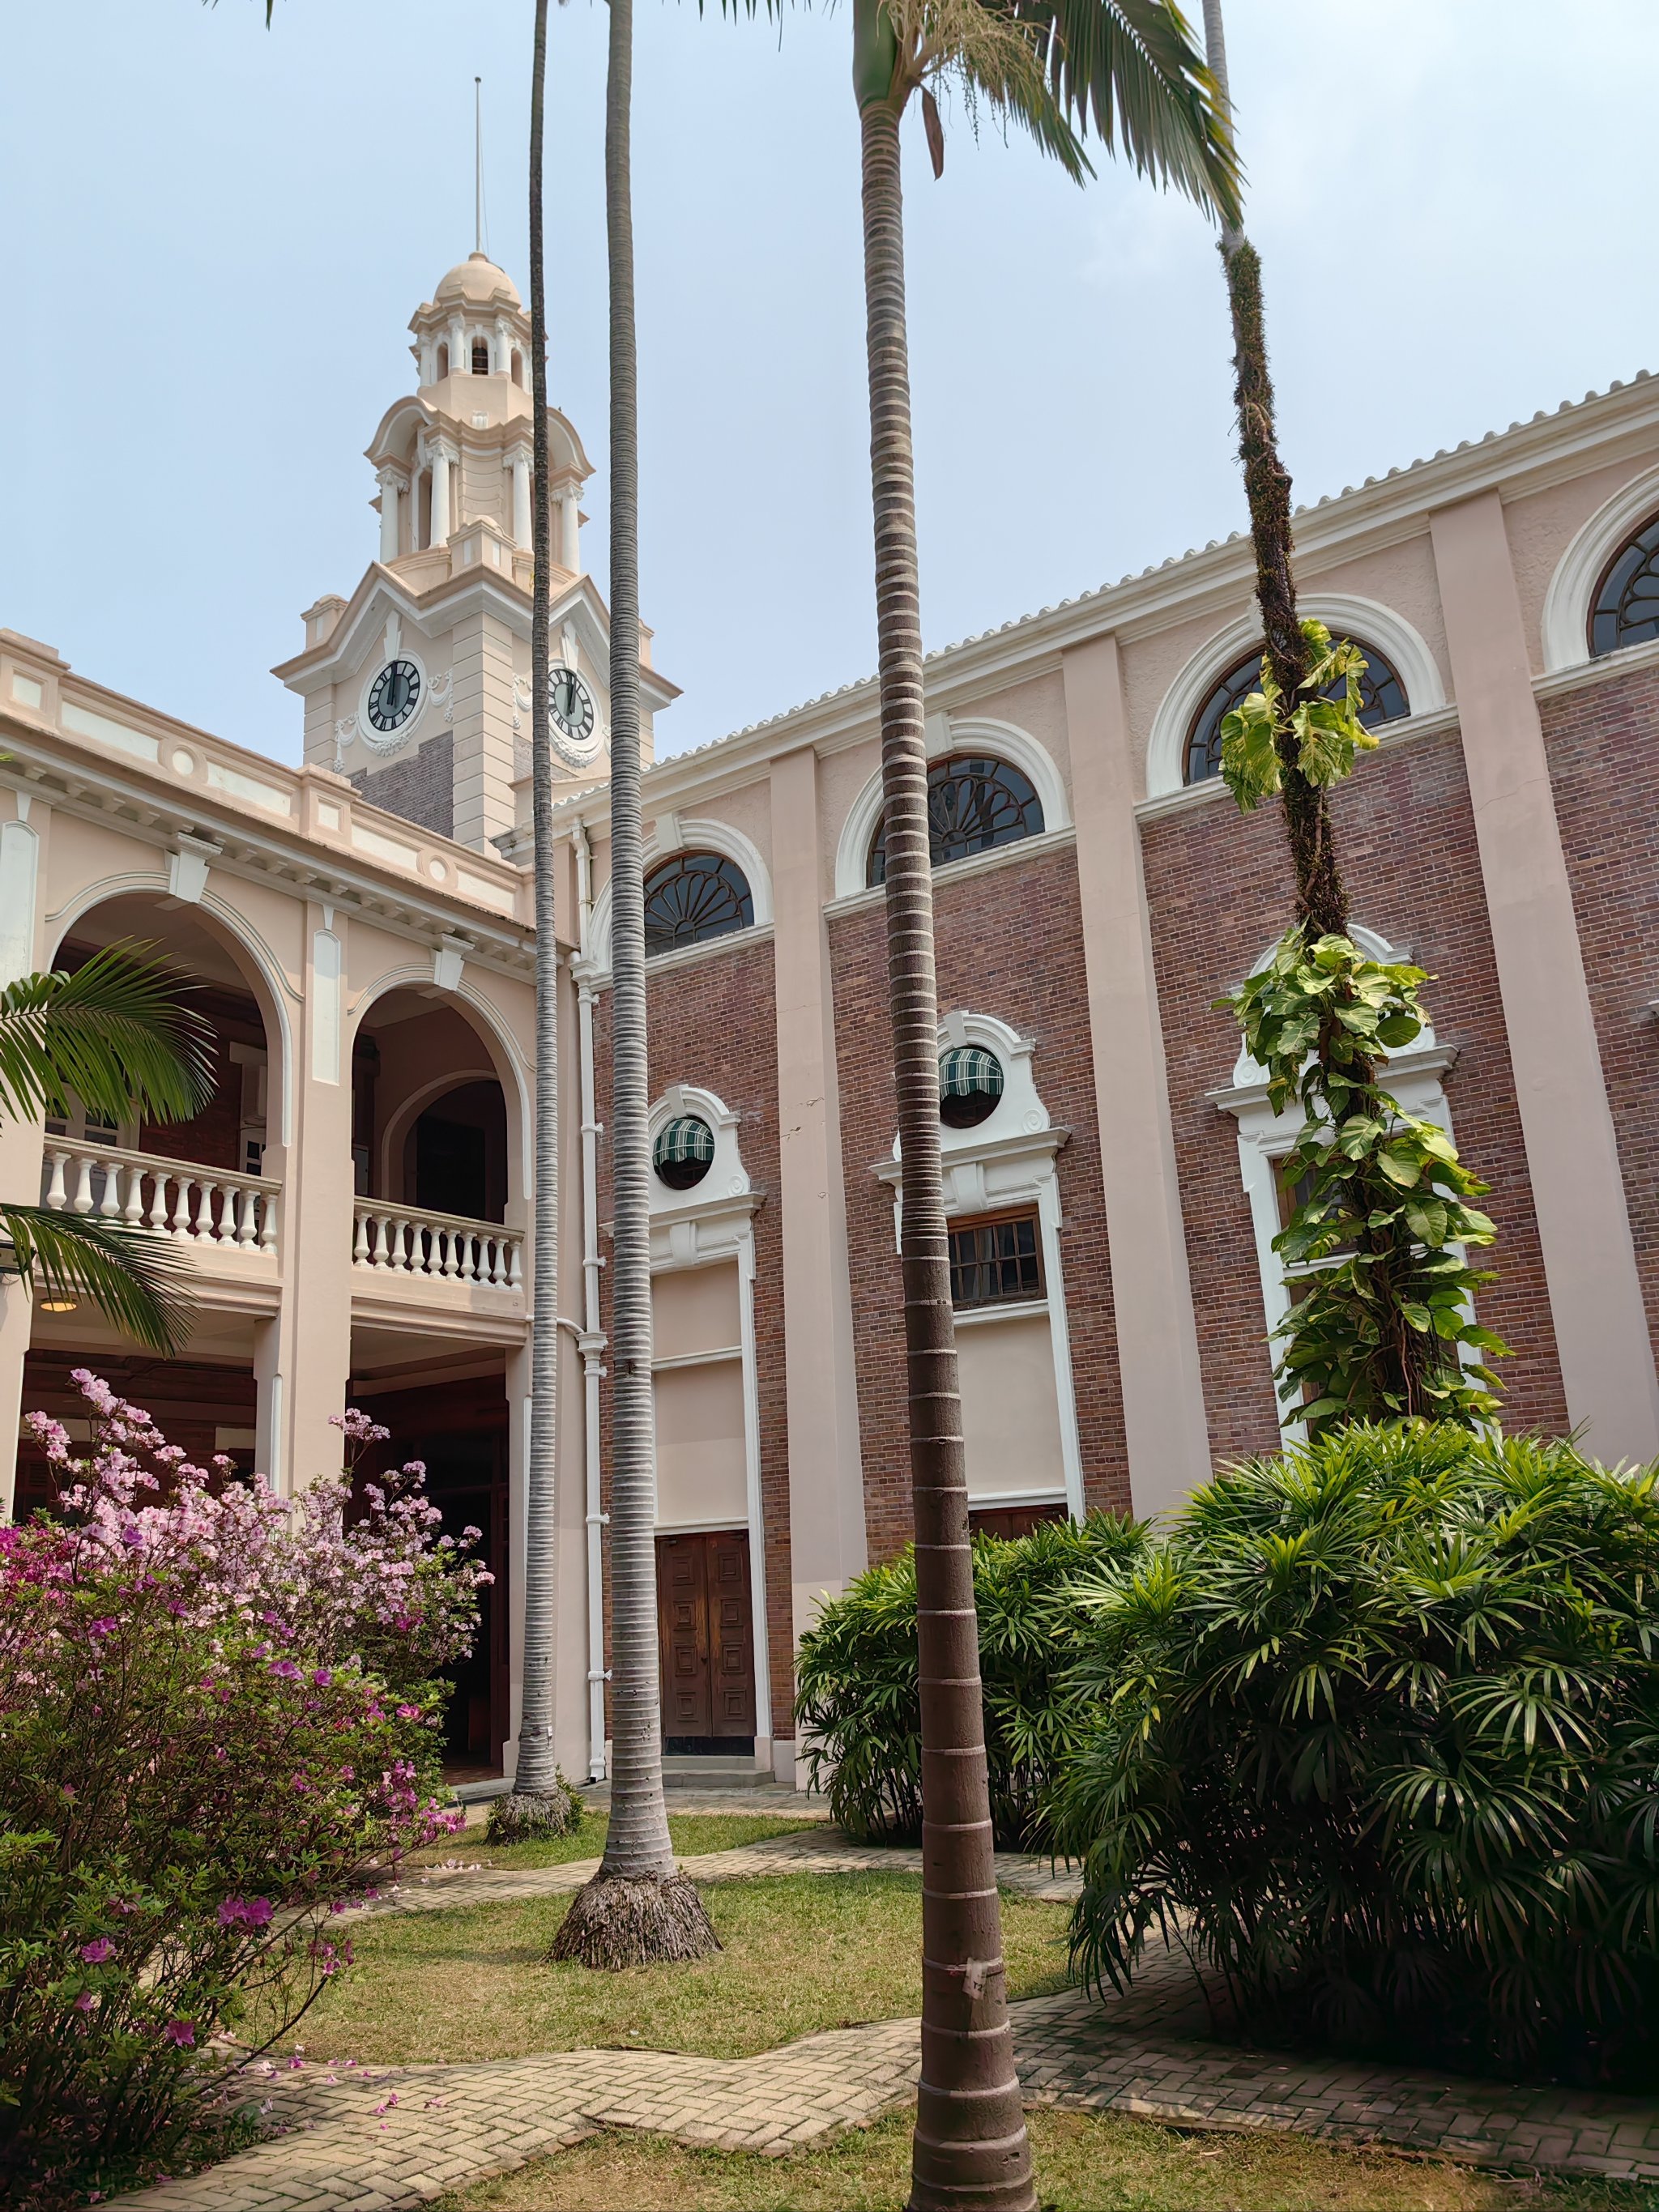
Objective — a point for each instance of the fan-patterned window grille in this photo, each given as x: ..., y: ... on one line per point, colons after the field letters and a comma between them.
x: 1382, y: 699
x: 693, y: 897
x: 975, y: 802
x: 1626, y: 609
x: 684, y: 1152
x: 970, y: 1085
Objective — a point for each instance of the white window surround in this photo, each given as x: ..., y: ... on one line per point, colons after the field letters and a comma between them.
x: 1368, y: 620
x: 948, y: 734
x: 1414, y: 1077
x: 1567, y: 615
x: 1006, y: 1161
x: 712, y: 1222
x: 686, y: 835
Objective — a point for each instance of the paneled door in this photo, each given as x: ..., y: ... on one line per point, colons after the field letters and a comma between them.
x: 705, y: 1638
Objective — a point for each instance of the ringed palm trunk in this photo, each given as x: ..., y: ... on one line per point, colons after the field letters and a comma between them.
x: 970, y: 2144
x: 536, y: 1776
x: 638, y: 1907
x: 1321, y: 899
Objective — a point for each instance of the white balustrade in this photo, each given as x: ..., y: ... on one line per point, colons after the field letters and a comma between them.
x: 397, y: 1240
x: 174, y: 1198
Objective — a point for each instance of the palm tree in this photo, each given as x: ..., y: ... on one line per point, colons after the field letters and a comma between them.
x: 539, y: 1803
x: 113, y: 1037
x: 1127, y: 65
x: 638, y: 1907
x: 1321, y: 897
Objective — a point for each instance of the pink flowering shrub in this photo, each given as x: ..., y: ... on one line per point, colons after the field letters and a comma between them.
x: 215, y: 1712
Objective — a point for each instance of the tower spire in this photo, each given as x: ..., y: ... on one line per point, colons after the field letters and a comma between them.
x: 478, y: 165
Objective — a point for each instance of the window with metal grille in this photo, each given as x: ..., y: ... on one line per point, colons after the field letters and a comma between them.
x: 1626, y: 606
x: 692, y: 897
x: 481, y: 356
x: 1382, y: 699
x: 996, y: 1263
x: 974, y: 803
x: 970, y: 1086
x: 684, y: 1152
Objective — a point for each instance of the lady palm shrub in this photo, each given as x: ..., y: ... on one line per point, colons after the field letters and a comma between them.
x: 1375, y: 1736
x: 211, y: 1734
x: 860, y: 1706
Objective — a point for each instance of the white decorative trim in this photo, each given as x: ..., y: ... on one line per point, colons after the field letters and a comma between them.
x: 697, y: 834
x: 947, y: 734
x: 1368, y: 620
x: 1008, y: 1160
x: 1567, y: 602
x: 712, y: 1222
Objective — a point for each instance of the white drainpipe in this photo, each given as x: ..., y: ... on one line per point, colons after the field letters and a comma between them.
x: 591, y: 1339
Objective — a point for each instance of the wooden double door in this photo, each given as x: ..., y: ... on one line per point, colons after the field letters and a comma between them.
x: 705, y: 1639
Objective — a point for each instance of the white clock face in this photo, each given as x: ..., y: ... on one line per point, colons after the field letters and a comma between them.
x: 394, y: 695
x: 573, y: 722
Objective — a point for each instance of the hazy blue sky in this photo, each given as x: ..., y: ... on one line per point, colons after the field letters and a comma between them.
x: 214, y: 236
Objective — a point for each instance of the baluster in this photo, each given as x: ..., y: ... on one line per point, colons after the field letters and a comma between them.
x: 515, y: 1272
x: 379, y: 1238
x: 56, y: 1197
x: 397, y: 1231
x: 133, y: 1212
x: 466, y: 1257
x: 360, y: 1244
x: 206, y: 1231
x: 82, y: 1202
x: 109, y: 1201
x: 267, y: 1205
x: 156, y: 1217
x: 179, y: 1224
x: 248, y: 1207
x: 493, y: 1253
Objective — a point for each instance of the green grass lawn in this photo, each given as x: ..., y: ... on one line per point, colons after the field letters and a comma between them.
x: 692, y: 1832
x: 1086, y: 2162
x: 802, y: 1951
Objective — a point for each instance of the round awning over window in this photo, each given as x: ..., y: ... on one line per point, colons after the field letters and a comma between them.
x: 970, y: 1085
x: 684, y: 1151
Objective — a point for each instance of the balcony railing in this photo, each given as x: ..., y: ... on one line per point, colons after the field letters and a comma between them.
x: 400, y: 1240
x: 234, y: 1214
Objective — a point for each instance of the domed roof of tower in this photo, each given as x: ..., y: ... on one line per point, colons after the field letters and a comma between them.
x: 477, y: 281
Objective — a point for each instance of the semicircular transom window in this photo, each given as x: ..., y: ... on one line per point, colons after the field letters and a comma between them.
x: 1626, y: 606
x: 1382, y: 699
x: 970, y: 1086
x: 693, y: 897
x: 974, y: 803
x: 684, y: 1152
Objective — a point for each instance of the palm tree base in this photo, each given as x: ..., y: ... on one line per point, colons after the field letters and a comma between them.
x: 628, y: 1920
x: 528, y: 1816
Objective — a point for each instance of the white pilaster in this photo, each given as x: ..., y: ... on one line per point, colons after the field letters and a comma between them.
x: 569, y: 548
x: 391, y: 490
x: 522, y: 517
x: 442, y: 459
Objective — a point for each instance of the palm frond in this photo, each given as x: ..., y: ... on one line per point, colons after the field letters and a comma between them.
x: 1129, y: 71
x: 132, y: 1276
x: 113, y: 1035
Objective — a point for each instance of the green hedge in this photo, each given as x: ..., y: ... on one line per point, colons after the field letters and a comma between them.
x: 859, y: 1709
x: 1378, y: 1726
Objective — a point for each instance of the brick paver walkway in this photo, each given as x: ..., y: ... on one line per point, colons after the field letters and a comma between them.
x: 375, y: 2139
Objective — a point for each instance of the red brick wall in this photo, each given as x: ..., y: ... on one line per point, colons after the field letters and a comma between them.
x: 1009, y: 944
x: 1218, y: 886
x: 1603, y: 744
x: 714, y: 1025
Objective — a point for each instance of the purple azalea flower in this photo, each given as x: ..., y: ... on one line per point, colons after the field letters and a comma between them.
x: 181, y: 2032
x: 96, y: 1952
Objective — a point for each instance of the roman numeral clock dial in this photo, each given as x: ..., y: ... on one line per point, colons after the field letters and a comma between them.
x: 572, y: 719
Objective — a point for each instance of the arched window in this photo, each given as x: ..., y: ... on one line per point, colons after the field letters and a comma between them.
x: 1625, y: 609
x: 975, y: 802
x: 693, y: 897
x: 481, y: 356
x: 1382, y: 699
x: 443, y: 362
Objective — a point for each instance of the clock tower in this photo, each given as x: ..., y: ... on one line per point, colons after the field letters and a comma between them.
x: 418, y: 687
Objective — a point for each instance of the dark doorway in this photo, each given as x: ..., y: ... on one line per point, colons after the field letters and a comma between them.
x: 459, y: 1430
x: 705, y: 1632
x: 457, y: 1161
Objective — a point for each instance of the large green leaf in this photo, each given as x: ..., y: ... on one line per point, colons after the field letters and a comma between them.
x: 133, y: 1277
x: 115, y: 1035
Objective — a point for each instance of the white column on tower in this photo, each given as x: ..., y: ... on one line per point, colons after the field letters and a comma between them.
x: 440, y: 458
x: 503, y: 363
x: 460, y: 360
x: 569, y: 550
x: 521, y: 519
x: 392, y: 485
